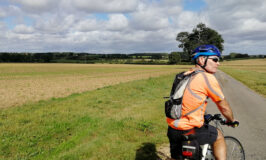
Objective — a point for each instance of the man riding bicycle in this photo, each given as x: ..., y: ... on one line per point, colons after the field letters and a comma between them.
x: 203, y: 85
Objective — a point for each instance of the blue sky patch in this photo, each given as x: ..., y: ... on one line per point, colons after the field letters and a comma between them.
x: 3, y: 3
x: 10, y: 22
x: 101, y: 16
x: 28, y: 21
x: 194, y: 5
x: 170, y: 20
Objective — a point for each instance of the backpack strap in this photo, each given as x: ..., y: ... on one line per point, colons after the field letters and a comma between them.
x: 177, y: 78
x: 194, y: 110
x: 180, y: 76
x: 197, y: 71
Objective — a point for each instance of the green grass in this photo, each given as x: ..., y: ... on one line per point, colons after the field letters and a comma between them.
x: 109, y: 123
x: 250, y: 72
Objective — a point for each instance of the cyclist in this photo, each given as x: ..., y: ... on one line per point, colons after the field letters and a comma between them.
x: 202, y: 86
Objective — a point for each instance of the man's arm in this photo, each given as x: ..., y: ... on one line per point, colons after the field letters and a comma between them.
x: 226, y: 110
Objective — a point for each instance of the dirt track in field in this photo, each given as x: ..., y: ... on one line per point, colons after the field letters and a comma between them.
x: 250, y: 109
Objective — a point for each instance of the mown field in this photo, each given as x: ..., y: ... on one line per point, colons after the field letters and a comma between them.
x: 110, y: 121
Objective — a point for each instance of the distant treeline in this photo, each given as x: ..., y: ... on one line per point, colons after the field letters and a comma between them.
x: 136, y: 58
x: 241, y: 56
x: 71, y: 57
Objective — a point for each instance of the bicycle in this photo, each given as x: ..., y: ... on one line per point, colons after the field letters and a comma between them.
x: 191, y: 150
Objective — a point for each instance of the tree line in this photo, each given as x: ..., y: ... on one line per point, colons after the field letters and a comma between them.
x: 187, y: 41
x: 72, y: 57
x: 136, y: 58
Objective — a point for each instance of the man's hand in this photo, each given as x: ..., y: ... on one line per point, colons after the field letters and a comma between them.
x: 232, y: 124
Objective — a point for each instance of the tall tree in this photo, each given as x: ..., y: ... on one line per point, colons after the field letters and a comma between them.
x: 199, y: 36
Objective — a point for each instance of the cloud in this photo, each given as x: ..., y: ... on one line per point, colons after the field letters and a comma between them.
x: 56, y: 24
x: 87, y: 25
x: 36, y: 6
x: 23, y: 29
x: 117, y: 22
x: 150, y: 17
x: 127, y: 26
x: 187, y: 20
x: 238, y: 21
x: 252, y: 25
x: 105, y: 6
x: 2, y: 13
x: 10, y: 10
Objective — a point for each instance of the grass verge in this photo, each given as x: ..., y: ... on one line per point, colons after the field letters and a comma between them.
x: 250, y: 72
x: 108, y: 123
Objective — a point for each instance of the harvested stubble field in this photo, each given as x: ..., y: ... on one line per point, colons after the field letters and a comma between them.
x: 21, y: 83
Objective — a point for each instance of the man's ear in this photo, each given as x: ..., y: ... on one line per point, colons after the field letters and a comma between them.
x: 201, y: 60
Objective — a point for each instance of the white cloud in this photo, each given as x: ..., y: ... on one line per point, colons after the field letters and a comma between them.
x: 187, y: 20
x: 106, y: 6
x: 251, y: 25
x: 56, y: 24
x: 117, y: 22
x: 36, y: 6
x: 151, y: 17
x: 126, y: 26
x: 87, y: 25
x: 239, y: 22
x: 11, y: 10
x: 23, y: 29
x: 2, y: 13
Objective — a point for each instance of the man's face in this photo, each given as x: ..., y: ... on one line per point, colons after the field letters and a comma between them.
x: 212, y: 64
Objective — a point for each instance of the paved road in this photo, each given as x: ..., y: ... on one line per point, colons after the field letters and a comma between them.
x: 250, y: 109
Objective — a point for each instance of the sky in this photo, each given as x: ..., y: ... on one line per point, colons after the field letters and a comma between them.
x: 127, y: 26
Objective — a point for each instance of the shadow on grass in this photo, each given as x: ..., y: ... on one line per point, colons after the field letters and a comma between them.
x: 147, y: 151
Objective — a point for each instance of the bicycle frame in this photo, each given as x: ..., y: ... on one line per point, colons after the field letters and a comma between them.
x: 204, y: 150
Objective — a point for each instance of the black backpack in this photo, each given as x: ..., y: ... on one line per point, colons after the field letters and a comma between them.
x: 173, y: 106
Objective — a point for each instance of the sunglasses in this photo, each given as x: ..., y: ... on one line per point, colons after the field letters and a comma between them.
x: 214, y: 59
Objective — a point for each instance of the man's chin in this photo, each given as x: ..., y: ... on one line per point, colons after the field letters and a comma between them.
x: 213, y: 71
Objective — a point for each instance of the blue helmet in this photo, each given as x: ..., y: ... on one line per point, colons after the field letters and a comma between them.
x: 206, y: 50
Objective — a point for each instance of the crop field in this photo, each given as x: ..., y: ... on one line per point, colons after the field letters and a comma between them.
x: 21, y: 83
x: 252, y: 73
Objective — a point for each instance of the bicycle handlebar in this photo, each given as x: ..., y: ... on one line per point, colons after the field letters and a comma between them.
x: 208, y: 118
x: 235, y: 123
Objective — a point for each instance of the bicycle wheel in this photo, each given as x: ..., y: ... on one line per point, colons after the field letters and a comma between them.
x: 234, y: 149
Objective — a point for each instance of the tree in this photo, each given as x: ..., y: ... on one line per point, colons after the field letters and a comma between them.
x: 199, y: 36
x: 174, y: 58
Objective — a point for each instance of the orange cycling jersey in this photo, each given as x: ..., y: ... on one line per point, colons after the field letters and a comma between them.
x: 201, y: 86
